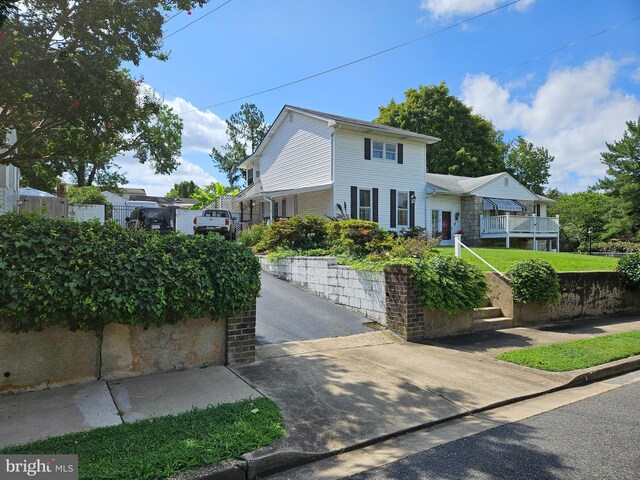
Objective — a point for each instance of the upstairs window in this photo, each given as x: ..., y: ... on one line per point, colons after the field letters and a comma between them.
x: 250, y: 177
x: 383, y: 151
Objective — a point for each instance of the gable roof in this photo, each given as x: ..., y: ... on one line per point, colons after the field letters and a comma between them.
x: 335, y: 120
x: 459, y: 185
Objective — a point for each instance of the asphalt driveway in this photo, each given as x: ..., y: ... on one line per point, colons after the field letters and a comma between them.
x: 288, y: 313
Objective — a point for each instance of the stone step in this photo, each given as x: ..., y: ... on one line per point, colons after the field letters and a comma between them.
x: 483, y: 324
x: 486, y: 312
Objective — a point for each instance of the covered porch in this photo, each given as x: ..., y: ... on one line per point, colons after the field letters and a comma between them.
x: 521, y: 226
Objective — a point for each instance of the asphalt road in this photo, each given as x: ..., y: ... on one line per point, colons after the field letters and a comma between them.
x: 596, y: 438
x: 286, y: 313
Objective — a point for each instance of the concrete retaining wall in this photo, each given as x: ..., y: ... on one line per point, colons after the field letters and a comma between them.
x: 57, y: 356
x: 363, y: 292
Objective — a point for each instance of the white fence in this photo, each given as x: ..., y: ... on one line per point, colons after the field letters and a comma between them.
x: 83, y: 213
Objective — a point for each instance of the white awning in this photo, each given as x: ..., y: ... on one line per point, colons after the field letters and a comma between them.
x: 503, y: 204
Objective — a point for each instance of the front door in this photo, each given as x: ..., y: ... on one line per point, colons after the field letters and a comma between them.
x: 446, y: 225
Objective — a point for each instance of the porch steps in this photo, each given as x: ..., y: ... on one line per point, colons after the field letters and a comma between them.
x: 490, y: 318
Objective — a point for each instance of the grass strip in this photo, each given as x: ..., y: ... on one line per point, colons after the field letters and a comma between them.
x: 564, y: 357
x: 160, y: 447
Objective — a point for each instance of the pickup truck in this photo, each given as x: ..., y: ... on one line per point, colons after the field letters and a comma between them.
x: 213, y: 220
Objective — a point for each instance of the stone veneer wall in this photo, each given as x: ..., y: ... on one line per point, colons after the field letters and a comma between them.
x: 471, y: 211
x: 363, y: 292
x: 57, y: 356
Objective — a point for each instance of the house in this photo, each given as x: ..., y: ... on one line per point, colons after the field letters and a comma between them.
x: 493, y: 209
x: 9, y: 179
x: 312, y: 162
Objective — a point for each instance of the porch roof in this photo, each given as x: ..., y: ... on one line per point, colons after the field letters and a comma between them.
x: 259, y: 193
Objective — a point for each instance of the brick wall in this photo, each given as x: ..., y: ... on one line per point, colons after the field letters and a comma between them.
x: 241, y: 338
x: 405, y: 311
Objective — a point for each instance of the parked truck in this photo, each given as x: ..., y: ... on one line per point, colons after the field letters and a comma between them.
x: 215, y: 220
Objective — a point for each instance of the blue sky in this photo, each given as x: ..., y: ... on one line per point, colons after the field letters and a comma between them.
x: 571, y: 102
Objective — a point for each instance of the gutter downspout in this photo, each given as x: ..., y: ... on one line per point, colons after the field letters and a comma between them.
x: 268, y: 199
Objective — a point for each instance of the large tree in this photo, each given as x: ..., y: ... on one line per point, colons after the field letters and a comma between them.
x: 245, y: 129
x: 529, y: 164
x: 64, y: 90
x: 469, y: 144
x: 583, y: 214
x: 185, y: 189
x: 623, y: 176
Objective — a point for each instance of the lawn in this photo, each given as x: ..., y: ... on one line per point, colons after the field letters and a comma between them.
x: 503, y: 258
x: 164, y: 446
x: 563, y: 357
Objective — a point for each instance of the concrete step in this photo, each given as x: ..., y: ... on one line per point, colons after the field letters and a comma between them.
x: 483, y: 324
x: 486, y: 312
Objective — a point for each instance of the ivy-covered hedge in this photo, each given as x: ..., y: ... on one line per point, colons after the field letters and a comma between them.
x: 534, y: 281
x: 450, y: 284
x: 629, y: 268
x: 84, y: 275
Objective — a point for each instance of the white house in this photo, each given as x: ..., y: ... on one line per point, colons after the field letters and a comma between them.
x: 9, y: 180
x: 312, y: 162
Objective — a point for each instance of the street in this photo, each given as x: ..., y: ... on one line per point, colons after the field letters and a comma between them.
x: 594, y: 438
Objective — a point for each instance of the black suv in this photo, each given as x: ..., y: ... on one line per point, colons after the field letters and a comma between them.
x: 151, y: 218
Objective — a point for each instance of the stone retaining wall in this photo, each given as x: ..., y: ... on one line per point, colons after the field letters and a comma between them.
x: 363, y: 292
x: 56, y: 356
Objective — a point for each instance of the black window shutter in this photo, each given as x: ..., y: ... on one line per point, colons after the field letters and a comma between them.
x: 354, y: 202
x: 392, y: 219
x: 367, y: 149
x: 412, y: 210
x: 400, y: 153
x: 374, y: 203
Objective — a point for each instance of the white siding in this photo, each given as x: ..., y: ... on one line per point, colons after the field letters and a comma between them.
x: 298, y: 155
x: 543, y: 209
x: 447, y: 203
x: 497, y: 189
x: 351, y: 169
x: 9, y: 188
x: 314, y: 203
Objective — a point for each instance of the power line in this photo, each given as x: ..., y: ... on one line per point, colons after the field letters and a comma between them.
x: 197, y: 19
x: 564, y: 47
x: 353, y: 62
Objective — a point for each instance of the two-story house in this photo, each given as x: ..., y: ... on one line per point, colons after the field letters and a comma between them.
x: 309, y: 162
x: 314, y: 163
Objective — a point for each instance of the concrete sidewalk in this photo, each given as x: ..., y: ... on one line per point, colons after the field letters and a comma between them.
x: 335, y: 393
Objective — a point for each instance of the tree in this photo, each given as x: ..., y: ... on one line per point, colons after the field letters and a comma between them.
x: 86, y: 196
x: 6, y: 7
x: 245, y: 129
x: 529, y: 164
x: 63, y: 88
x: 469, y: 144
x: 210, y: 193
x: 184, y: 189
x: 623, y: 176
x: 581, y: 213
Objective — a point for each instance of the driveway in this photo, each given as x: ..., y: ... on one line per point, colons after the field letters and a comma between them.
x: 287, y: 313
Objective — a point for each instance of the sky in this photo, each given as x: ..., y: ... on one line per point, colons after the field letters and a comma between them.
x: 571, y: 101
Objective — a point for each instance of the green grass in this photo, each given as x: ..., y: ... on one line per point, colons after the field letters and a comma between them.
x: 504, y: 258
x: 563, y: 357
x: 164, y: 446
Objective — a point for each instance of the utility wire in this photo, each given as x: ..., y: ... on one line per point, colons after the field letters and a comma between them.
x: 564, y: 47
x: 197, y: 19
x: 353, y: 62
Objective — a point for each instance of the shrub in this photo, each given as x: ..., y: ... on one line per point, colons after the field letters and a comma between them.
x: 534, y: 280
x: 450, y: 284
x: 356, y: 235
x: 616, y: 246
x: 399, y: 247
x: 251, y: 237
x: 629, y: 268
x: 294, y: 233
x: 84, y: 275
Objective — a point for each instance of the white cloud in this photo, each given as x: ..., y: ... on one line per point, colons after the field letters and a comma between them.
x: 635, y: 76
x: 572, y: 114
x: 142, y: 175
x: 202, y: 130
x: 446, y: 9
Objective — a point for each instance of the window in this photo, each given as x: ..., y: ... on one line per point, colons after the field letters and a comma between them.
x: 364, y: 204
x: 383, y: 150
x: 284, y: 207
x: 537, y: 208
x: 250, y: 176
x: 403, y: 209
x: 435, y: 222
x: 275, y: 210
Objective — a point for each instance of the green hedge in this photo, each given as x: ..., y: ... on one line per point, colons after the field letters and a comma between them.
x: 534, y: 281
x: 84, y: 275
x: 629, y: 268
x: 449, y: 284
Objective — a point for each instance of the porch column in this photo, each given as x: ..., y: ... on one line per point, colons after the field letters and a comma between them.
x: 241, y: 212
x: 535, y: 227
x: 507, y: 229
x: 558, y: 239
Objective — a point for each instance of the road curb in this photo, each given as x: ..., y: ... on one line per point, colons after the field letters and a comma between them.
x: 255, y: 464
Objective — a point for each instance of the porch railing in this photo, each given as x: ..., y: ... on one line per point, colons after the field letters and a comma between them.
x: 519, y: 224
